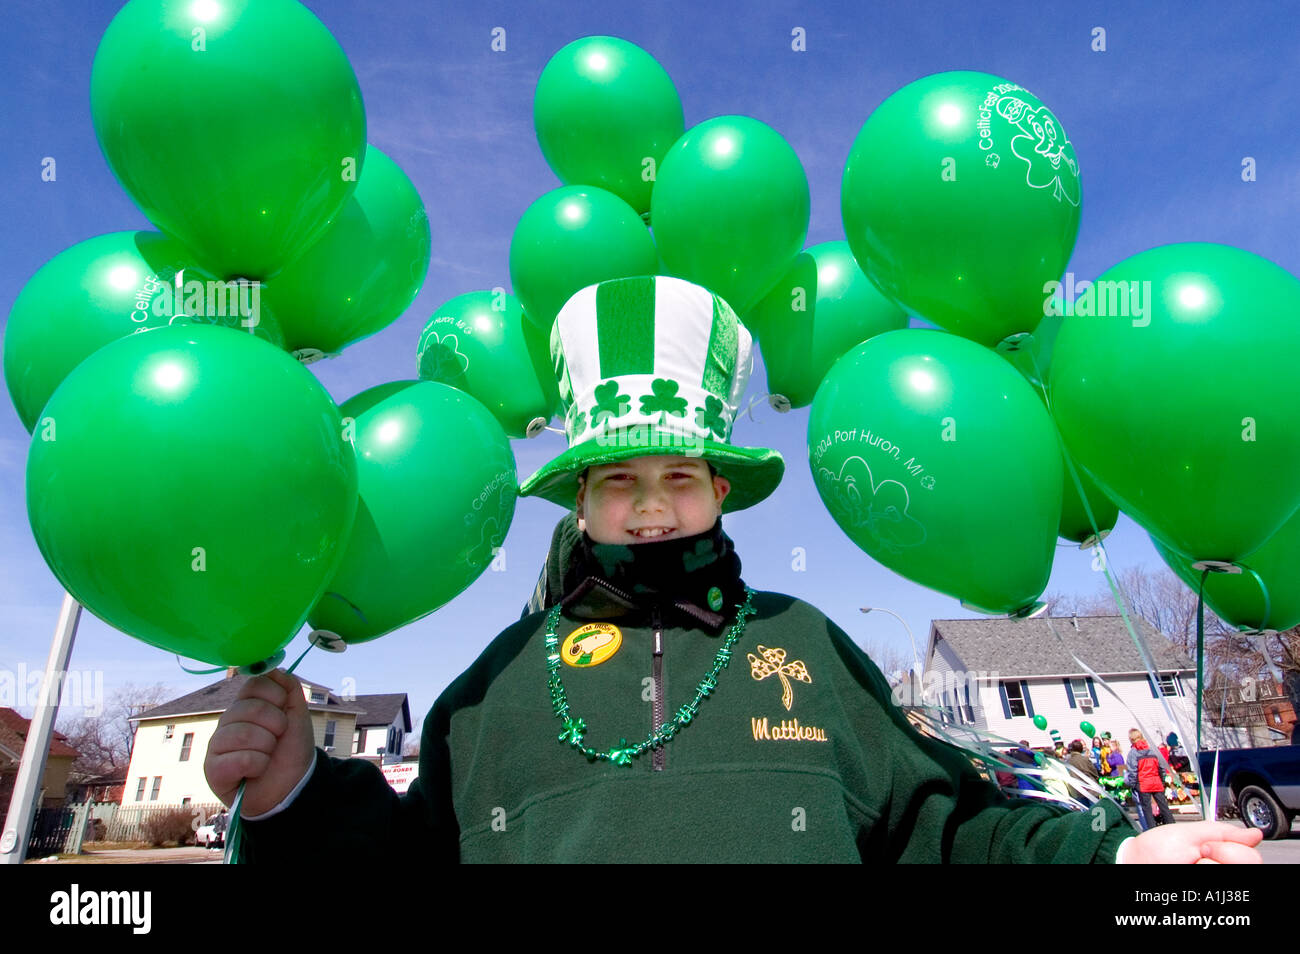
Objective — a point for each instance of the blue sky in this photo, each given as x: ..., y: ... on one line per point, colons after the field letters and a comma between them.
x: 1160, y: 122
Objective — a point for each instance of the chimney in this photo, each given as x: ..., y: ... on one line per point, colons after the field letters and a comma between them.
x: 1076, y: 620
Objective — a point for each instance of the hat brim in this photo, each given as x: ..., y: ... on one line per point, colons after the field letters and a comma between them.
x: 753, y: 472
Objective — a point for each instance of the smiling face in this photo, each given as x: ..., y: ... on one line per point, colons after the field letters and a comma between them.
x: 650, y: 498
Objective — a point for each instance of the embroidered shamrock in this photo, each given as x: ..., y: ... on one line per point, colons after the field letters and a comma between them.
x: 709, y: 417
x: 609, y: 403
x: 663, y: 400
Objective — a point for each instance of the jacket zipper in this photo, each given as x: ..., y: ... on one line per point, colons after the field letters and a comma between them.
x: 658, y: 756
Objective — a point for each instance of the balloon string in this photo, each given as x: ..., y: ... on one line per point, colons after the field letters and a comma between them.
x: 234, y: 833
x: 198, y: 672
x: 1268, y: 606
x: 1116, y: 591
x: 1200, y: 655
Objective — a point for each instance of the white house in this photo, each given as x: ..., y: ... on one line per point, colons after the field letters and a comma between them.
x: 171, y: 740
x: 996, y: 675
x: 382, y: 726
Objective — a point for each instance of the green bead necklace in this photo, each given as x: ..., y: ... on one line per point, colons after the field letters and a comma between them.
x: 623, y: 753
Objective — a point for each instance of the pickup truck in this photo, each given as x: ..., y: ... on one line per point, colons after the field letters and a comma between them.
x: 1264, y: 785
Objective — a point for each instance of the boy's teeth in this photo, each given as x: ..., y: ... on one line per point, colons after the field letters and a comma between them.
x: 650, y: 533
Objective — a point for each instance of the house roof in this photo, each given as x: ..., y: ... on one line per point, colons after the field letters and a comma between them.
x: 13, y: 736
x: 383, y: 709
x: 1030, y: 647
x: 218, y: 697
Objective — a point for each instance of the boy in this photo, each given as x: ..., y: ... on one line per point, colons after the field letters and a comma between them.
x: 660, y: 710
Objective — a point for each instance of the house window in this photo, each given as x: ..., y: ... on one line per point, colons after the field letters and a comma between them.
x: 157, y: 784
x: 1080, y: 694
x: 317, y: 696
x: 1167, y: 686
x: 329, y: 733
x: 139, y: 789
x: 186, y: 744
x: 185, y: 801
x: 967, y: 710
x: 1014, y: 699
x: 168, y: 733
x: 1277, y: 716
x: 356, y: 742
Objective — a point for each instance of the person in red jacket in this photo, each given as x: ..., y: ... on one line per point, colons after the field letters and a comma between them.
x: 1147, y: 781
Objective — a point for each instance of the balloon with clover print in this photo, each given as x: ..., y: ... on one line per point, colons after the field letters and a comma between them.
x: 821, y: 307
x: 483, y: 344
x: 1176, y: 391
x: 936, y: 459
x: 437, y: 490
x: 1239, y: 598
x: 191, y: 487
x: 730, y: 208
x: 106, y: 288
x: 960, y: 200
x: 571, y: 238
x: 605, y: 113
x: 364, y: 271
x: 233, y: 125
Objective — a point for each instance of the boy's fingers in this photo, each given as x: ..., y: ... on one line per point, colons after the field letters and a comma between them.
x: 239, y: 736
x: 258, y: 712
x: 1230, y: 853
x: 287, y: 681
x: 265, y: 687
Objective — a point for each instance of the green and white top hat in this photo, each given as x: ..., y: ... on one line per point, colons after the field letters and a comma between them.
x: 652, y: 365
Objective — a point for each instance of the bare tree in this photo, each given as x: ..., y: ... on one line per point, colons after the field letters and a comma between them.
x: 104, y: 742
x: 1168, y: 604
x: 891, y: 661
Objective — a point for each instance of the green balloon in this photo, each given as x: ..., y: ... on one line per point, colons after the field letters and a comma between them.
x: 571, y: 238
x: 1031, y: 356
x: 106, y: 288
x: 191, y: 487
x: 1180, y: 400
x: 437, y: 494
x: 233, y: 124
x: 1088, y: 730
x: 822, y: 307
x: 938, y: 461
x: 606, y: 112
x: 482, y: 344
x: 1040, y: 722
x: 960, y: 200
x: 1237, y: 598
x: 366, y: 269
x: 730, y: 208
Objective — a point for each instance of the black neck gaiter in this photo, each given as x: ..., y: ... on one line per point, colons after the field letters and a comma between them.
x: 698, y: 575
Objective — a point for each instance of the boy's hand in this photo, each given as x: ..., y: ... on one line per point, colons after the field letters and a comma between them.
x: 264, y: 737
x: 1188, y: 843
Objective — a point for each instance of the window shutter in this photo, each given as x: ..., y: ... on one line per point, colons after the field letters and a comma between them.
x: 1069, y: 693
x: 1092, y: 691
x: 1006, y: 705
x: 1151, y: 684
x: 1029, y: 705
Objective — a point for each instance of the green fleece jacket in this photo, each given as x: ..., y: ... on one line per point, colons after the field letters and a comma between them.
x: 798, y: 756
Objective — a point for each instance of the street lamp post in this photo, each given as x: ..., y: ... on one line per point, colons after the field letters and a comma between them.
x: 916, y: 658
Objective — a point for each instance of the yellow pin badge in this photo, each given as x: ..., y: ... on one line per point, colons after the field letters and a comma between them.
x: 591, y: 645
